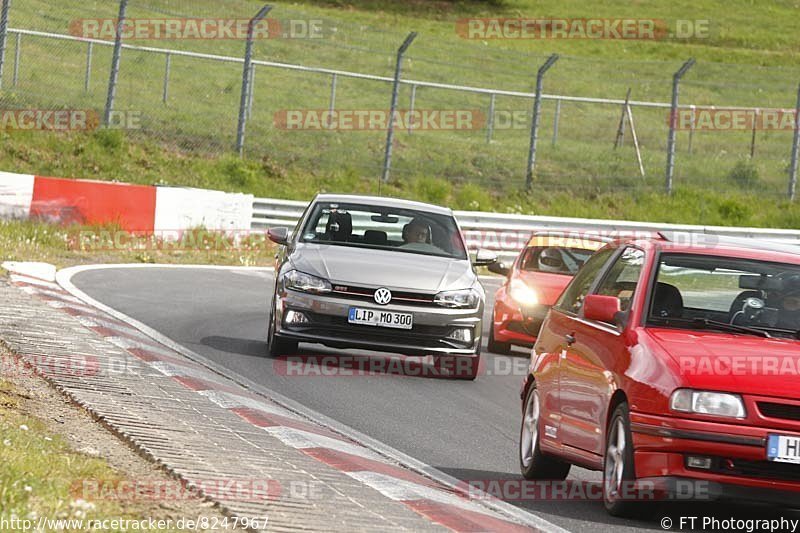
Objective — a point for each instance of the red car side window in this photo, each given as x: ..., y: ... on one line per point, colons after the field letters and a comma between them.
x: 571, y: 300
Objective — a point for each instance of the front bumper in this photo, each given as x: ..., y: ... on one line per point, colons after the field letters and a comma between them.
x: 739, y: 465
x: 327, y: 324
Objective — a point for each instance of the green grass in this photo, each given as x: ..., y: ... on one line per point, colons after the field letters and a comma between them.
x: 40, y: 473
x: 189, y: 140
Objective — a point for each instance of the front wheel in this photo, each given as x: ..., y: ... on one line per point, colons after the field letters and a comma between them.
x: 502, y: 348
x: 277, y: 345
x: 619, y: 474
x: 533, y: 463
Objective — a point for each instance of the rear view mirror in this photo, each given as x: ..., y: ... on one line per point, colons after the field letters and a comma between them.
x: 601, y: 308
x: 485, y: 257
x: 500, y: 267
x: 278, y: 235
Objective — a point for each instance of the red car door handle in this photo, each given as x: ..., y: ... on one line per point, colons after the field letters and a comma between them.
x: 570, y: 338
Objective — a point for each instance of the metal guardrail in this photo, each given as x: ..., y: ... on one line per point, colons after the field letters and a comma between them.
x: 508, y: 233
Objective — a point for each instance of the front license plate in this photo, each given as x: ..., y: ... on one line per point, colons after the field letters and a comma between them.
x: 783, y: 449
x: 384, y: 319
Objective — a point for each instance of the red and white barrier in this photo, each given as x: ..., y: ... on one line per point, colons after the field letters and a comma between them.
x: 135, y: 208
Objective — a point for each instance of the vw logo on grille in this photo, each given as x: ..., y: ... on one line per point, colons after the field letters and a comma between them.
x: 383, y: 296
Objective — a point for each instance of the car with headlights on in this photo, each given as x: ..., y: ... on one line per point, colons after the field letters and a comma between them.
x: 534, y: 281
x: 670, y: 361
x: 380, y: 274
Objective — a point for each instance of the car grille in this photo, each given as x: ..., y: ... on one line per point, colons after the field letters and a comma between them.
x: 366, y: 294
x: 779, y: 410
x: 758, y: 469
x: 418, y: 335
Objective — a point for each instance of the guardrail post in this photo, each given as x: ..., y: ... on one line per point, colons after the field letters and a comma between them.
x: 248, y: 61
x: 87, y: 80
x: 673, y: 119
x: 387, y: 160
x: 3, y: 36
x: 114, y: 75
x: 537, y: 105
x: 795, y: 149
x: 167, y: 66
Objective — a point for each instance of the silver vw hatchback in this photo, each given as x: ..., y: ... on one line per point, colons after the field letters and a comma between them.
x: 380, y: 274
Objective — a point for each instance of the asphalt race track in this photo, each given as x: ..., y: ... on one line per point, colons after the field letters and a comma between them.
x: 466, y: 429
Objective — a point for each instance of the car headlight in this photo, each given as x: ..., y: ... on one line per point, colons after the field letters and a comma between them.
x: 300, y: 281
x: 708, y: 403
x: 521, y: 293
x: 462, y: 299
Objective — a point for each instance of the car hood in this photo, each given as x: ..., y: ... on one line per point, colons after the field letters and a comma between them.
x: 547, y: 285
x: 386, y: 268
x: 735, y: 363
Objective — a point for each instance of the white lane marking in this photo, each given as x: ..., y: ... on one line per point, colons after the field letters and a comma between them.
x: 297, y: 438
x: 503, y: 509
x: 181, y: 371
x: 229, y: 400
x: 403, y: 490
x: 59, y: 304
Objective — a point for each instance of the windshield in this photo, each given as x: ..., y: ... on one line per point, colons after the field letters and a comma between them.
x: 554, y: 259
x: 385, y: 228
x: 711, y: 292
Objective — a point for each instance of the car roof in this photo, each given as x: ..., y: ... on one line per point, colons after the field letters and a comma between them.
x: 757, y: 249
x: 383, y: 201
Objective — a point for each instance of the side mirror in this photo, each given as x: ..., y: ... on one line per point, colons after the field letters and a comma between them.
x: 601, y: 308
x: 485, y: 257
x: 278, y: 235
x: 500, y: 267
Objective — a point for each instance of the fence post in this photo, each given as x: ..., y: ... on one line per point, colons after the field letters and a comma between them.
x: 387, y: 161
x: 537, y: 104
x: 753, y: 137
x: 88, y: 78
x: 332, y: 102
x: 252, y: 91
x: 555, y: 121
x: 167, y: 67
x: 248, y: 60
x: 490, y: 123
x: 412, y: 106
x: 673, y: 119
x: 691, y: 127
x: 3, y: 36
x: 112, y: 79
x: 17, y: 47
x: 795, y: 149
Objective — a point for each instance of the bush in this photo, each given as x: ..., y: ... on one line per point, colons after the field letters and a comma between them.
x: 433, y: 190
x: 744, y: 174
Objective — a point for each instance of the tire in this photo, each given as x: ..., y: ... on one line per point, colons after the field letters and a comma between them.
x: 533, y: 463
x: 619, y: 473
x: 502, y: 348
x: 277, y: 345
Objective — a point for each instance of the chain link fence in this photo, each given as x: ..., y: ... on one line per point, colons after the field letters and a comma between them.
x: 472, y: 103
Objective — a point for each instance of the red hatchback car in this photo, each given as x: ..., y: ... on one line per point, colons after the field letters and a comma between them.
x: 669, y: 362
x: 533, y: 283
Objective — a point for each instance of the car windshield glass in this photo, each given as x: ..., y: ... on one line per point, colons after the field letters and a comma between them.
x: 554, y: 259
x: 747, y: 296
x: 385, y: 228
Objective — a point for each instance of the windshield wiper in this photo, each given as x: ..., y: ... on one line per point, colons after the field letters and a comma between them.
x: 707, y: 323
